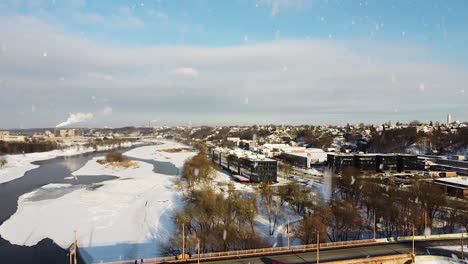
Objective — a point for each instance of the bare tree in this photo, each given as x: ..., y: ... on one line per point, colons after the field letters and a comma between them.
x: 3, y: 162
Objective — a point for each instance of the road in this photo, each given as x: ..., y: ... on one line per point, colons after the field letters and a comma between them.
x: 422, y: 248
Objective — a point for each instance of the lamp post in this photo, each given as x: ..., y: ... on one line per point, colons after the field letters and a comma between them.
x: 289, y: 243
x: 183, y: 241
x: 375, y: 227
x: 463, y: 229
x: 198, y: 248
x: 412, y: 247
x: 462, y: 246
x: 318, y: 246
x: 75, y: 251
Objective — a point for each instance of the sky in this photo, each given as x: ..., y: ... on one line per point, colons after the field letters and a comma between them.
x: 83, y: 63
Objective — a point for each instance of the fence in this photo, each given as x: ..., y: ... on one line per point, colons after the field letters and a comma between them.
x: 282, y: 250
x: 381, y: 259
x: 251, y: 252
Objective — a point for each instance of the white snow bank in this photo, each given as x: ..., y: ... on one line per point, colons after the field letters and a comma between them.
x: 435, y: 260
x: 93, y: 168
x: 19, y: 164
x: 124, y: 218
x: 155, y: 153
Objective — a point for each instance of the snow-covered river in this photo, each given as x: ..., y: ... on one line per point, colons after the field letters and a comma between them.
x: 117, y: 213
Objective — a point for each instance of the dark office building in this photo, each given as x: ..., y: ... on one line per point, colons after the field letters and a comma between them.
x: 374, y: 162
x: 257, y: 170
x: 340, y: 161
x: 366, y: 162
x: 387, y: 162
x: 407, y: 162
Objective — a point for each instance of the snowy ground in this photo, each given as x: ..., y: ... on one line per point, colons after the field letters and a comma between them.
x: 20, y: 163
x: 118, y: 219
x: 437, y: 260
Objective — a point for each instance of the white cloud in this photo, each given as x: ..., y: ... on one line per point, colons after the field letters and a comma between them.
x: 186, y: 72
x: 158, y: 14
x: 88, y: 18
x: 326, y: 77
x: 98, y: 75
x: 78, y: 3
x: 107, y: 111
x: 276, y: 5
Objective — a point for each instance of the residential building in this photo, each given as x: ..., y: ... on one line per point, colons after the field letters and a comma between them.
x: 455, y: 186
x: 256, y: 167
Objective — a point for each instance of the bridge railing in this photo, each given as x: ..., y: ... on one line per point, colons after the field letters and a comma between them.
x: 250, y: 252
x: 265, y: 251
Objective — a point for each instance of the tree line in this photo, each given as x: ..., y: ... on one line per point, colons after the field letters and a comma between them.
x: 27, y: 147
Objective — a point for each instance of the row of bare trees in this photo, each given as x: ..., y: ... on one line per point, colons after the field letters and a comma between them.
x: 356, y: 200
x: 226, y: 220
x: 221, y: 221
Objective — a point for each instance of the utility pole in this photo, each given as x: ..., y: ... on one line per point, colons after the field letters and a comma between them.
x: 462, y: 245
x: 75, y: 251
x: 198, y: 248
x: 318, y: 247
x: 183, y: 241
x: 425, y: 222
x: 412, y: 250
x: 289, y: 243
x: 375, y: 227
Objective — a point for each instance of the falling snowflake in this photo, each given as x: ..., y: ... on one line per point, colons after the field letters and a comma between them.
x: 422, y: 87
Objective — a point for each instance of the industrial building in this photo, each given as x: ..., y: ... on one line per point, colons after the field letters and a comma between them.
x: 340, y: 161
x: 373, y: 162
x: 256, y: 167
x: 440, y: 163
x: 387, y: 162
x: 407, y: 162
x: 304, y: 158
x: 367, y: 162
x: 455, y: 186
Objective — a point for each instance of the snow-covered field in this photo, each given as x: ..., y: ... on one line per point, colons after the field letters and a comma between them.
x: 437, y: 260
x: 119, y: 219
x: 20, y: 163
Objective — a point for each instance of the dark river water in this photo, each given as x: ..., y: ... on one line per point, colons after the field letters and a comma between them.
x: 52, y: 171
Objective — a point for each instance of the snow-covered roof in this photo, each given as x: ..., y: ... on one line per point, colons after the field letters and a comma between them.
x: 459, y: 181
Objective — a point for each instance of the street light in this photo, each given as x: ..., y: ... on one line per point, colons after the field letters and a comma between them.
x: 375, y: 227
x: 412, y: 251
x: 318, y: 246
x: 198, y: 249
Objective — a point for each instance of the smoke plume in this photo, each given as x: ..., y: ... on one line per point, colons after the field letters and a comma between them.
x: 76, y: 118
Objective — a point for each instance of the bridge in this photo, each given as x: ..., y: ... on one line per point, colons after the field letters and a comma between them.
x: 363, y: 251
